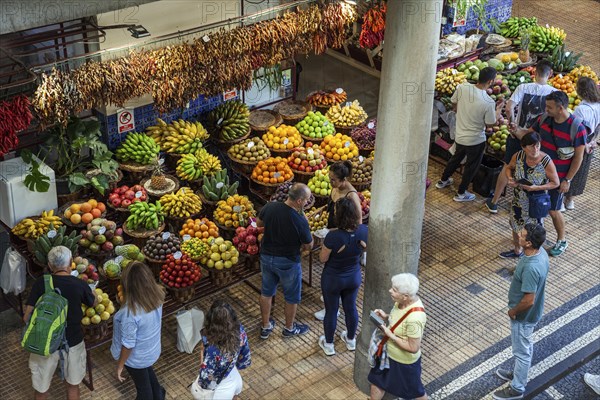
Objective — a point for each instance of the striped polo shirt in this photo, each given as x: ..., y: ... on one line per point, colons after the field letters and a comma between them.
x: 556, y: 135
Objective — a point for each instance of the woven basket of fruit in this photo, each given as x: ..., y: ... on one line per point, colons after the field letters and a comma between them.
x: 181, y: 295
x: 208, y: 206
x: 139, y: 236
x: 317, y: 218
x: 362, y: 170
x: 292, y: 111
x: 282, y: 139
x: 173, y: 223
x: 111, y: 283
x: 261, y: 120
x: 225, y: 144
x: 226, y: 232
x: 326, y: 98
x: 157, y: 249
x: 314, y: 127
x: 221, y: 277
x: 136, y: 171
x: 246, y: 154
x: 271, y: 173
x: 112, y: 184
x: 70, y: 198
x: 78, y: 214
x: 94, y: 332
x: 171, y: 185
x: 339, y: 147
x: 179, y: 275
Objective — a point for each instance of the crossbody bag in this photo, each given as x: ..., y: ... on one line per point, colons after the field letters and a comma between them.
x: 567, y: 152
x: 539, y: 201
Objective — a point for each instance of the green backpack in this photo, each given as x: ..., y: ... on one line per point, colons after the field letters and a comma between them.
x: 46, y: 330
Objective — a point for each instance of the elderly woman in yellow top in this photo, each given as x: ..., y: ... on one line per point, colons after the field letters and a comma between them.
x: 403, y: 377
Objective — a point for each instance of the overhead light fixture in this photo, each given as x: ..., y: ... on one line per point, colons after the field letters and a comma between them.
x: 138, y: 31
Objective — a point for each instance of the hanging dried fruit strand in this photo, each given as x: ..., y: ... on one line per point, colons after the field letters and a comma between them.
x: 15, y: 116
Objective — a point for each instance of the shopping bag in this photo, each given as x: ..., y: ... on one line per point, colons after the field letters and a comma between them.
x: 189, y: 324
x: 13, y: 274
x: 201, y: 394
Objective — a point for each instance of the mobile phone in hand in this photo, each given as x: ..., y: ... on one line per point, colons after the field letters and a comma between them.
x: 376, y: 319
x: 525, y: 182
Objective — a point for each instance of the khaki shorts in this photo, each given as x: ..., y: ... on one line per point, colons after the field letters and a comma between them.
x: 43, y: 368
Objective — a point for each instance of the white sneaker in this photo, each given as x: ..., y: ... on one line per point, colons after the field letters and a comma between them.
x: 320, y: 315
x: 442, y: 184
x: 562, y: 208
x: 350, y: 344
x: 466, y: 196
x: 570, y: 205
x: 328, y: 348
x: 593, y: 381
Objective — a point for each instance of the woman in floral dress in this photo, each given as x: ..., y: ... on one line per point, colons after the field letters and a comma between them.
x: 224, y: 351
x: 537, y: 168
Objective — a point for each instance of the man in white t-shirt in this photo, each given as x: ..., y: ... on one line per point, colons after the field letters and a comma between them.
x: 474, y: 112
x: 530, y: 101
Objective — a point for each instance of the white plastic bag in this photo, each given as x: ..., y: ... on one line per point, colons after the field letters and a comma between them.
x: 13, y: 274
x: 189, y: 324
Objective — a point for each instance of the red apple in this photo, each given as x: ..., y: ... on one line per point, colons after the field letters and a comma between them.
x: 126, y: 203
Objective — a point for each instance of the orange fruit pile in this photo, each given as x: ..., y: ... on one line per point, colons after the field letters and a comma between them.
x: 284, y: 137
x: 339, y: 147
x: 563, y: 82
x: 84, y: 213
x: 200, y: 228
x: 272, y: 170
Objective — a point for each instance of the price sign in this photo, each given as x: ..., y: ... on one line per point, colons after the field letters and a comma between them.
x: 253, y: 224
x: 74, y: 273
x: 277, y: 175
x: 166, y: 235
x: 51, y: 234
x: 560, y: 76
x: 310, y: 151
x: 201, y: 222
x: 182, y: 190
x: 102, y: 230
x: 347, y: 144
x: 219, y: 185
x: 348, y: 104
x: 547, y: 26
x: 177, y: 255
x: 119, y: 259
x: 361, y: 158
x: 138, y: 194
x: 219, y: 121
x: 567, y: 54
x: 186, y: 238
x: 370, y: 125
x: 286, y: 141
x: 205, y: 38
x: 161, y: 161
x: 250, y: 145
x: 325, y: 123
x: 454, y: 72
x: 339, y: 90
x: 522, y: 79
x: 237, y: 209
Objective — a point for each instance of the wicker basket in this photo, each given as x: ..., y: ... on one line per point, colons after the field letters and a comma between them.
x: 292, y: 111
x: 139, y: 237
x: 69, y: 198
x: 94, y: 332
x: 303, y: 177
x: 346, y: 130
x: 67, y: 222
x: 112, y: 284
x: 311, y: 139
x: 262, y: 120
x: 285, y: 153
x: 252, y: 262
x: 181, y: 295
x: 135, y: 171
x: 171, y: 160
x: 245, y: 167
x: 221, y: 277
x: 365, y: 152
x: 171, y: 180
x: 321, y: 201
x: 174, y: 223
x: 112, y: 185
x: 225, y: 232
x: 208, y: 206
x: 361, y: 186
x: 155, y: 265
x: 269, y: 188
x: 226, y: 144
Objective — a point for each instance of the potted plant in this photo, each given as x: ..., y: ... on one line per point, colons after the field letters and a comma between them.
x: 72, y: 168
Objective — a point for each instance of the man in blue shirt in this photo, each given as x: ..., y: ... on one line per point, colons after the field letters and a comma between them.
x: 286, y: 233
x: 526, y: 306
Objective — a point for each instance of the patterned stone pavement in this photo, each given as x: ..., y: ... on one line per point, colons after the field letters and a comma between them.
x: 464, y: 286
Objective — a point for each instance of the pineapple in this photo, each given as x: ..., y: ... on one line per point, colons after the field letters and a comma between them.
x: 158, y: 181
x: 525, y: 41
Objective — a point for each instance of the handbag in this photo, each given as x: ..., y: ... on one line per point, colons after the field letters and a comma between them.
x: 197, y: 391
x: 539, y: 204
x: 377, y: 353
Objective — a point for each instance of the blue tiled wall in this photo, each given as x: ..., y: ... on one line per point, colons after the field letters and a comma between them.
x: 145, y: 116
x: 499, y: 9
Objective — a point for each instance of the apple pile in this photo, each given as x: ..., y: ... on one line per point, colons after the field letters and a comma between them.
x: 101, y: 312
x: 365, y: 203
x: 101, y: 235
x: 179, y: 271
x: 307, y: 159
x: 124, y: 196
x: 319, y: 184
x: 247, y: 240
x: 85, y: 271
x: 499, y: 90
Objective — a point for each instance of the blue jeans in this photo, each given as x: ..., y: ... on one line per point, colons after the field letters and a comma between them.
x: 281, y: 270
x: 336, y: 285
x: 522, y: 347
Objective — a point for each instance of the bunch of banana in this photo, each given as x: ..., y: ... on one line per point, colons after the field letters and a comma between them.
x: 54, y: 238
x: 544, y: 40
x: 583, y: 70
x: 327, y: 98
x: 210, y: 164
x: 511, y: 28
x: 448, y: 79
x: 138, y: 147
x: 217, y: 187
x: 351, y: 114
x: 32, y: 229
x: 145, y: 215
x: 562, y: 60
x: 229, y: 120
x: 182, y: 204
x: 191, y: 167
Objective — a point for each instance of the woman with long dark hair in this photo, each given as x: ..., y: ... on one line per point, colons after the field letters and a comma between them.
x: 589, y: 111
x: 224, y: 351
x: 136, y: 330
x: 341, y: 278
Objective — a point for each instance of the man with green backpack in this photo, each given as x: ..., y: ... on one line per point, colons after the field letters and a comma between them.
x: 53, y: 332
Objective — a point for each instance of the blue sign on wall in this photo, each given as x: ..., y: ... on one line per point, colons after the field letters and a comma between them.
x: 499, y: 9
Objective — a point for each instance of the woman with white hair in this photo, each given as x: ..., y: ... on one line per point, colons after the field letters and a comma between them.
x: 404, y: 330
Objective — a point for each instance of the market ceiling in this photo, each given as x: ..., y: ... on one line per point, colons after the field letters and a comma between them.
x: 26, y: 14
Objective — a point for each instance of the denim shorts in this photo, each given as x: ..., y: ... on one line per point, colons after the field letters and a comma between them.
x: 556, y: 199
x: 281, y: 270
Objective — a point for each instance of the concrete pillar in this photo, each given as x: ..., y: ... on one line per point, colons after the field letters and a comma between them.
x: 402, y: 147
